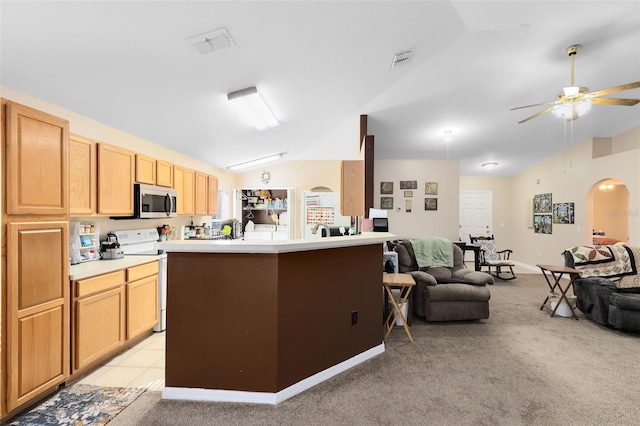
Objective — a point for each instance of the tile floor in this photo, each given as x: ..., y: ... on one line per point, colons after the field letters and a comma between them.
x: 142, y: 366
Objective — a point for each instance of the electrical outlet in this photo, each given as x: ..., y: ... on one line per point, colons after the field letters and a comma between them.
x: 354, y: 317
x: 398, y: 209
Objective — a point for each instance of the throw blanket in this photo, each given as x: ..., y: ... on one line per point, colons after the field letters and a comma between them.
x: 603, y: 261
x: 433, y: 251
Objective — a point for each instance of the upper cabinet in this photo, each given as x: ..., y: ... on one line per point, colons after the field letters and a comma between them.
x: 37, y: 161
x: 352, y: 193
x: 145, y: 169
x: 83, y: 174
x: 116, y: 173
x: 183, y: 183
x: 164, y: 173
x: 212, y: 208
x: 202, y: 192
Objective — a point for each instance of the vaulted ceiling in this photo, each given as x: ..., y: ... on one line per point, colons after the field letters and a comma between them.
x: 321, y: 64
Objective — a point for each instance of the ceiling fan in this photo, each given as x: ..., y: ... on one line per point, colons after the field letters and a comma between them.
x: 575, y: 101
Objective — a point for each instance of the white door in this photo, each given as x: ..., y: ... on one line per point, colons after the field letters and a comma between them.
x: 475, y: 214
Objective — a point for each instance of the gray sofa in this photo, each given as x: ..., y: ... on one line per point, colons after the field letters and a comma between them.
x: 445, y: 294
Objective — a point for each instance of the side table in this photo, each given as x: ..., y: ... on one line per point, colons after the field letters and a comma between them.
x: 559, y: 270
x: 405, y: 283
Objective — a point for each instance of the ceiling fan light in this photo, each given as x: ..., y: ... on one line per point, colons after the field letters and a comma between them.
x: 583, y: 107
x: 564, y: 111
x: 571, y: 91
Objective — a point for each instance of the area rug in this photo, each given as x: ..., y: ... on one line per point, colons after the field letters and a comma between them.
x: 80, y: 405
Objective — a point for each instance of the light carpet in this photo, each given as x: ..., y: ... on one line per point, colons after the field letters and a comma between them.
x: 519, y: 367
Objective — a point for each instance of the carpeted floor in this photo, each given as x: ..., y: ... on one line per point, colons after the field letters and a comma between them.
x: 519, y: 367
x: 80, y: 405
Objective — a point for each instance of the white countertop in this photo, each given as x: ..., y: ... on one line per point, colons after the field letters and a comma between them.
x: 284, y: 246
x: 99, y: 267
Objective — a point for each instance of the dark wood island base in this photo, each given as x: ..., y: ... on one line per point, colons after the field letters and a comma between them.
x: 262, y: 327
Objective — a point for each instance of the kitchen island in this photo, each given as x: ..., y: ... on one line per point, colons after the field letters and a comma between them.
x: 260, y: 321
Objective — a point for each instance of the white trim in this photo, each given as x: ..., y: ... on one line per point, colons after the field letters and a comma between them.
x: 217, y: 395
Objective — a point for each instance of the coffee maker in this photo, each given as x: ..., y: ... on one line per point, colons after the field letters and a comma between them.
x: 110, y: 248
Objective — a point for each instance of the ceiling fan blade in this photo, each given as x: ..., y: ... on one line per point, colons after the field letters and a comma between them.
x: 535, y: 115
x: 529, y: 106
x: 610, y: 90
x: 614, y: 101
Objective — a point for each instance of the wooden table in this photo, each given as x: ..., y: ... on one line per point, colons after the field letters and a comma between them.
x: 405, y: 283
x: 557, y: 272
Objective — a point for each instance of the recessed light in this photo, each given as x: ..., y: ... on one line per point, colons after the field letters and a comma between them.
x: 490, y: 165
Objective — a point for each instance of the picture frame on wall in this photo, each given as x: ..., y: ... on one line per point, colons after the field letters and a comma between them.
x: 563, y: 213
x: 386, y: 203
x: 386, y: 187
x: 542, y: 203
x: 408, y: 184
x: 408, y: 193
x: 431, y: 188
x: 407, y: 206
x: 542, y: 224
x: 430, y: 203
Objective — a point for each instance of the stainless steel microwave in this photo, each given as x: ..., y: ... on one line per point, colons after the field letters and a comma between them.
x: 152, y: 202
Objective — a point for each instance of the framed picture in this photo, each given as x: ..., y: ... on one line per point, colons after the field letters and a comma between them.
x: 386, y: 203
x: 408, y: 193
x: 542, y: 203
x: 408, y: 184
x: 542, y: 223
x: 407, y: 206
x: 563, y: 213
x: 386, y: 187
x: 430, y: 203
x: 431, y: 188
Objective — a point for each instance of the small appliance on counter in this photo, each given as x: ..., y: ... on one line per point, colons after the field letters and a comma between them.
x: 110, y: 248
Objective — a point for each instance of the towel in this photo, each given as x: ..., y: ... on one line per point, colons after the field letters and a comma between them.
x: 433, y: 251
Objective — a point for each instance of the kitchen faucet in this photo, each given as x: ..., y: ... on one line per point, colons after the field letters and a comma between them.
x: 318, y: 225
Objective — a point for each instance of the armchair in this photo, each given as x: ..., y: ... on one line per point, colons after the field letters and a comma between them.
x: 489, y: 256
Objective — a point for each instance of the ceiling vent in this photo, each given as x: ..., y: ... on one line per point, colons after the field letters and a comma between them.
x: 212, y: 41
x: 401, y: 58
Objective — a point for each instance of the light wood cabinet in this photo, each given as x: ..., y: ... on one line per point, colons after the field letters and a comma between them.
x: 213, y: 196
x: 37, y: 156
x: 145, y: 169
x: 202, y: 194
x: 37, y: 309
x: 184, y: 184
x: 83, y: 176
x: 352, y: 193
x: 142, y: 305
x: 164, y: 174
x: 116, y: 172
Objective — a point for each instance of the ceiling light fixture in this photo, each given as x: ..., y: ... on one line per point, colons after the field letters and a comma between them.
x: 249, y: 104
x: 251, y: 163
x: 490, y: 165
x: 448, y: 136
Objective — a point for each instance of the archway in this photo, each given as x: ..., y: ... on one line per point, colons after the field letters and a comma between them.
x: 609, y: 202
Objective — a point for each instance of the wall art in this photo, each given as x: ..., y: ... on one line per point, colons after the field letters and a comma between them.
x: 386, y: 203
x: 430, y: 203
x: 431, y: 188
x: 408, y: 184
x: 386, y: 187
x: 563, y: 213
x: 542, y: 203
x: 542, y: 223
x: 408, y: 193
x: 407, y: 206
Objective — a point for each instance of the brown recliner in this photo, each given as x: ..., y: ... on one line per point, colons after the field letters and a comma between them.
x: 446, y: 294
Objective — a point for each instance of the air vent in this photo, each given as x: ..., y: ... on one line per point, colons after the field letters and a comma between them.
x: 211, y: 42
x: 401, y: 58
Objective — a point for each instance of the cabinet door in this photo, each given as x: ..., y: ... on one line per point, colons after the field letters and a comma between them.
x: 352, y: 194
x: 202, y: 183
x: 98, y: 326
x: 116, y: 171
x: 183, y: 183
x: 189, y: 191
x: 37, y: 156
x: 83, y: 176
x: 164, y: 174
x: 37, y: 317
x: 142, y: 305
x: 213, y: 196
x: 145, y: 169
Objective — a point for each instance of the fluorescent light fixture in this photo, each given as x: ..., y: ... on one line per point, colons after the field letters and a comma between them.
x: 249, y: 105
x: 490, y: 165
x: 251, y: 163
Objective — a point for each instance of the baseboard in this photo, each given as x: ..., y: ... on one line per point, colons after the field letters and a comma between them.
x: 218, y: 395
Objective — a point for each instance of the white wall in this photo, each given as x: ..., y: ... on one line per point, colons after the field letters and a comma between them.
x: 420, y: 223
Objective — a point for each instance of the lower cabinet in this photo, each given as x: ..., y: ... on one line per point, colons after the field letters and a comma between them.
x: 111, y: 309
